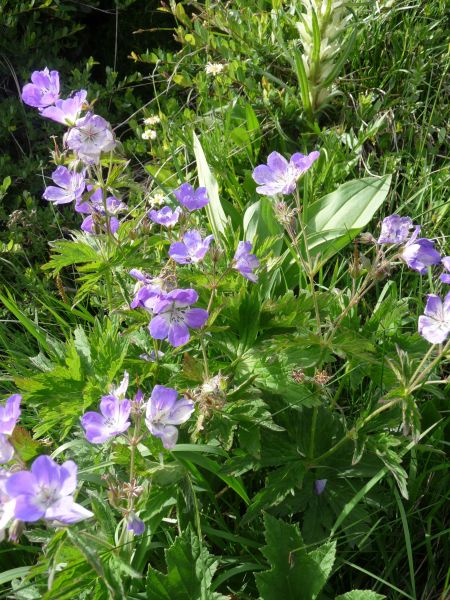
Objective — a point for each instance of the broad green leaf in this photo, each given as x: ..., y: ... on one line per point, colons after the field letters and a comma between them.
x: 190, y: 569
x: 214, y: 210
x: 335, y: 220
x: 294, y: 574
x: 361, y: 595
x: 260, y: 222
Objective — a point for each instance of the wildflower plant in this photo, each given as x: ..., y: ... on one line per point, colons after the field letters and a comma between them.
x: 238, y: 349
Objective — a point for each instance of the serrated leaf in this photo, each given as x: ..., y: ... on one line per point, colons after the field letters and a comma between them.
x: 361, y: 595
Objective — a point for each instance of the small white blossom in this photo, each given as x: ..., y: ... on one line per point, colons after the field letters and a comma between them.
x: 149, y: 134
x: 214, y: 68
x: 153, y: 120
x: 157, y: 199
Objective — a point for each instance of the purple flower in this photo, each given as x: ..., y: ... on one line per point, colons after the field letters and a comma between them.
x: 66, y: 111
x: 6, y: 450
x: 419, y: 254
x: 434, y: 325
x: 174, y: 317
x: 141, y: 276
x: 395, y: 229
x: 134, y: 524
x: 192, y: 249
x: 166, y: 216
x: 95, y: 208
x: 152, y: 356
x: 190, y: 198
x: 445, y: 277
x: 244, y: 262
x: 164, y: 411
x: 319, y: 486
x: 46, y: 492
x: 113, y: 420
x: 280, y: 176
x: 147, y: 296
x: 70, y: 186
x: 44, y: 89
x: 9, y: 414
x: 91, y: 136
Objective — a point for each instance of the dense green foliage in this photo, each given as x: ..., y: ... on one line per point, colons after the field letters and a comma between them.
x: 296, y: 378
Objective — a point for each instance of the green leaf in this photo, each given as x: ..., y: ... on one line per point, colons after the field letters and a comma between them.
x: 360, y: 595
x: 260, y: 222
x: 335, y: 220
x: 190, y: 569
x: 214, y: 210
x: 294, y: 574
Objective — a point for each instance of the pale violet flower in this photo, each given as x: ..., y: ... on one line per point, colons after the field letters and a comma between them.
x: 419, y: 254
x: 97, y: 220
x: 135, y: 524
x: 434, y: 325
x: 90, y: 136
x: 245, y: 262
x: 9, y: 414
x: 43, y: 89
x: 46, y: 492
x: 165, y: 216
x: 280, y: 176
x: 192, y: 249
x: 445, y: 277
x: 6, y: 450
x: 113, y: 420
x: 191, y: 198
x: 66, y: 111
x: 319, y: 486
x: 395, y: 230
x: 69, y: 186
x: 164, y: 412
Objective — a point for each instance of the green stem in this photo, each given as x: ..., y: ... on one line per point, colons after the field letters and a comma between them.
x: 312, y: 437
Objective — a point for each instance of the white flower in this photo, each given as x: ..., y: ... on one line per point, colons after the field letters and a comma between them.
x: 149, y: 134
x: 214, y: 68
x: 157, y: 199
x: 153, y: 120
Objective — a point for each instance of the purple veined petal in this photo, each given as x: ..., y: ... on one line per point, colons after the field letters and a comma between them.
x: 46, y: 471
x: 182, y: 298
x: 181, y: 412
x: 66, y: 111
x: 31, y: 95
x: 179, y: 253
x: 446, y: 262
x: 446, y: 307
x: 168, y: 434
x: 134, y: 524
x: 97, y: 434
x: 178, y: 334
x: 68, y: 477
x: 445, y: 278
x: 435, y: 332
x: 62, y: 177
x: 277, y: 163
x: 22, y: 482
x: 83, y: 207
x: 262, y: 174
x: 302, y: 162
x: 395, y: 229
x: 26, y: 509
x: 196, y: 317
x: 57, y: 195
x: 192, y: 238
x: 242, y: 250
x: 434, y: 307
x: 6, y: 450
x: 121, y: 390
x: 159, y: 327
x: 66, y: 511
x: 10, y: 413
x: 162, y: 400
x: 88, y: 225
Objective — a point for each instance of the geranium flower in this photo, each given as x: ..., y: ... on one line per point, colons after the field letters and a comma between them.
x: 190, y: 198
x: 174, y: 317
x: 164, y: 411
x: 66, y: 111
x: 90, y: 136
x: 319, y: 486
x: 44, y: 89
x: 69, y: 186
x: 419, y: 254
x: 113, y: 420
x: 434, y: 325
x: 95, y: 208
x: 395, y: 229
x: 244, y: 262
x: 445, y: 277
x: 165, y: 216
x: 6, y: 449
x: 192, y: 249
x: 46, y: 492
x: 280, y: 176
x: 135, y: 524
x: 9, y: 414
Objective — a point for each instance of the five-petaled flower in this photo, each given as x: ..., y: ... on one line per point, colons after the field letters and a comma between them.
x: 280, y: 176
x: 97, y: 220
x: 173, y: 317
x: 90, y: 136
x: 419, y: 254
x: 190, y: 198
x: 434, y: 325
x: 43, y: 89
x: 164, y: 411
x: 165, y: 216
x: 395, y: 229
x: 66, y: 111
x: 192, y: 249
x: 69, y: 186
x: 46, y: 492
x: 113, y: 420
x: 244, y: 262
